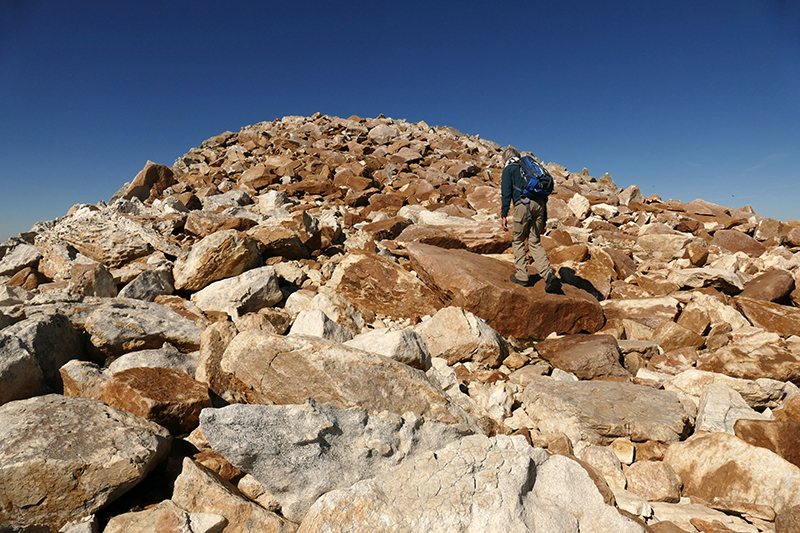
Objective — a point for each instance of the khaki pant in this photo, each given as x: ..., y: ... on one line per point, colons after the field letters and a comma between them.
x: 530, y: 229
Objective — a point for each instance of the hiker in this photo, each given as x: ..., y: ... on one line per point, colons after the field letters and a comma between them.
x: 529, y: 218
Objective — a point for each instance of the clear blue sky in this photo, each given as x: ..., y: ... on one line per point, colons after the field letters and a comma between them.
x: 687, y: 99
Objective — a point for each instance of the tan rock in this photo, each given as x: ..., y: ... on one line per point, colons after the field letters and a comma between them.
x: 675, y: 361
x: 788, y: 521
x: 28, y: 278
x: 166, y: 396
x: 485, y: 199
x: 93, y: 280
x: 768, y: 361
x: 198, y: 490
x: 78, y: 456
x: 289, y: 370
x: 773, y: 286
x: 648, y: 311
x: 221, y: 255
x: 166, y: 517
x: 672, y: 336
x: 778, y: 436
x: 654, y: 481
x: 790, y: 410
x: 719, y: 465
x: 481, y: 285
x: 781, y: 319
x: 735, y: 241
x: 457, y: 335
x: 82, y: 378
x: 586, y: 356
x: 695, y: 318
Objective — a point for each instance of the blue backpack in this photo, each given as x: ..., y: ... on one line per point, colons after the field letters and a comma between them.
x: 537, y: 183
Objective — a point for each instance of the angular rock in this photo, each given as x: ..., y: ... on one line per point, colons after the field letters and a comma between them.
x: 22, y: 255
x: 736, y: 241
x: 20, y: 376
x: 373, y: 282
x: 166, y: 516
x: 150, y: 182
x: 457, y: 335
x: 605, y: 461
x: 788, y: 521
x: 65, y: 457
x: 149, y: 284
x: 289, y: 370
x: 647, y: 311
x: 93, y: 280
x: 665, y: 247
x: 315, y: 323
x: 299, y: 452
x: 119, y: 326
x: 108, y: 239
x: 697, y: 278
x: 778, y: 436
x: 586, y: 356
x: 781, y: 319
x: 242, y: 294
x: 654, y: 481
x: 672, y: 336
x: 82, y: 378
x: 165, y: 357
x: 719, y: 465
x: 474, y: 484
x: 720, y: 408
x: 773, y: 286
x: 403, y: 345
x: 51, y: 340
x: 223, y: 254
x: 166, y: 396
x: 766, y: 361
x: 600, y: 411
x: 758, y: 394
x: 27, y: 279
x: 481, y: 285
x: 198, y: 490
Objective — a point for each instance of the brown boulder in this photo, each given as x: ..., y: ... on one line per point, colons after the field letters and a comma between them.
x: 166, y: 396
x: 788, y: 521
x: 370, y: 281
x: 767, y: 361
x: 150, y: 182
x: 221, y: 255
x: 790, y: 410
x: 28, y: 278
x: 778, y: 436
x: 736, y: 241
x: 481, y: 285
x: 671, y: 336
x: 773, y: 286
x: 388, y: 228
x: 204, y: 223
x: 781, y: 319
x: 586, y: 356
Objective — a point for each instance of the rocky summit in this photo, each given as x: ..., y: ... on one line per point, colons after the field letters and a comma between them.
x: 308, y: 326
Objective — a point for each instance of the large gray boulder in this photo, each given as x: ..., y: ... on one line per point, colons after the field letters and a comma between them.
x: 473, y: 484
x: 65, y: 457
x: 299, y: 452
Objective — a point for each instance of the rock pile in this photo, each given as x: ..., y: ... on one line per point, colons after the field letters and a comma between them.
x: 309, y: 326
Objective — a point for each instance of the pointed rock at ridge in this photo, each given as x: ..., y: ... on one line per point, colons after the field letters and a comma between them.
x: 223, y: 254
x: 150, y: 182
x: 480, y: 285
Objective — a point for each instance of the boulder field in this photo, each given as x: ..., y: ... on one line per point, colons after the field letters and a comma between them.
x: 308, y: 326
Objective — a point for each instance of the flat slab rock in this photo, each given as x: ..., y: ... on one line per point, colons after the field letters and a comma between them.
x: 481, y: 285
x: 601, y: 411
x: 273, y: 369
x: 65, y: 457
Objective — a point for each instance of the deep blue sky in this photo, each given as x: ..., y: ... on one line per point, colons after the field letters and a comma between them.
x: 687, y: 99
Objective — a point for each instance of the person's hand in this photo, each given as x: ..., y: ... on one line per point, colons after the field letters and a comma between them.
x: 504, y: 221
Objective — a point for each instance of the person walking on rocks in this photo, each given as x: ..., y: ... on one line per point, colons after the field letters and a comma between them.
x: 529, y: 218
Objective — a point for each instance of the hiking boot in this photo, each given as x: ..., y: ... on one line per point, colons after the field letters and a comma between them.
x: 518, y: 282
x: 551, y: 283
